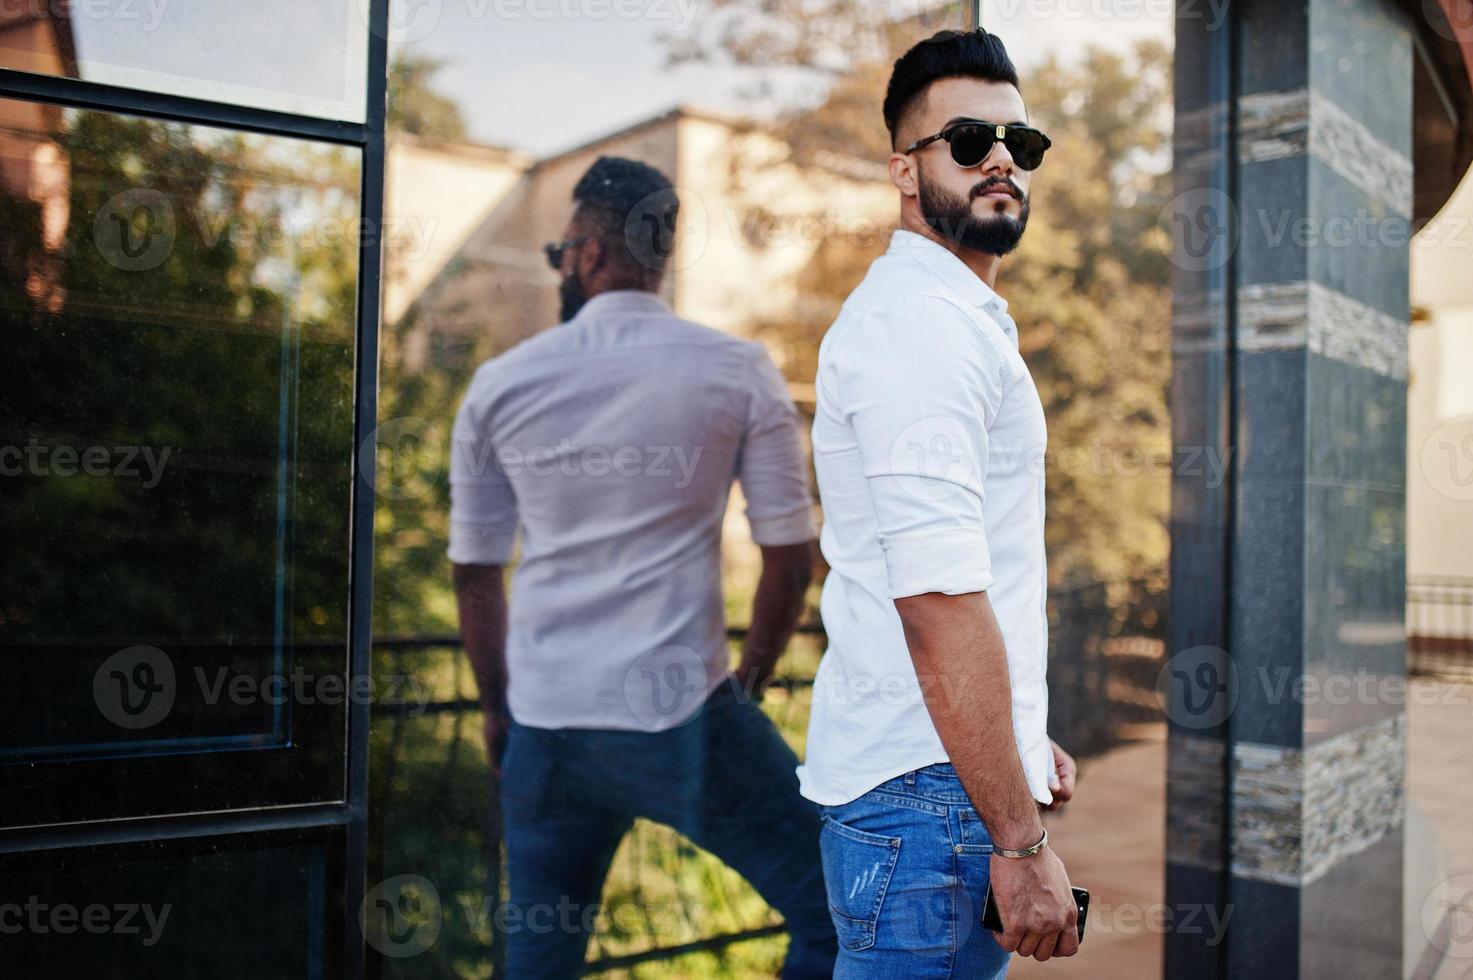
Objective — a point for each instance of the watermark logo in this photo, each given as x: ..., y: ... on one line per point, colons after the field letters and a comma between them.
x: 1452, y: 19
x: 137, y: 688
x: 663, y: 685
x: 134, y: 688
x: 405, y: 457
x: 1447, y: 458
x: 1198, y: 688
x: 401, y: 915
x: 926, y: 922
x: 408, y: 20
x: 668, y: 229
x: 920, y: 19
x: 1447, y: 916
x: 934, y: 457
x: 1203, y: 225
x: 135, y: 230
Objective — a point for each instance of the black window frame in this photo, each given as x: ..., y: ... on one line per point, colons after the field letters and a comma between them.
x: 350, y: 814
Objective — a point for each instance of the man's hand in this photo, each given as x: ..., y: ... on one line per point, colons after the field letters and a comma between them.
x: 1039, y: 916
x: 494, y: 725
x: 1061, y: 780
x: 481, y: 597
x: 786, y: 571
x: 961, y: 663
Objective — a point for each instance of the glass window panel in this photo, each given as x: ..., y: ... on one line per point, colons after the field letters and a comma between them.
x: 176, y: 437
x: 307, y: 58
x: 219, y: 908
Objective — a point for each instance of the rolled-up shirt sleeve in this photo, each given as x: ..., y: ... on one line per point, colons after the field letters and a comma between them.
x: 483, y: 508
x: 772, y: 469
x: 920, y: 383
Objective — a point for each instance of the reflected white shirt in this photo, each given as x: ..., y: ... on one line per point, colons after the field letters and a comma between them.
x: 611, y: 442
x: 929, y: 443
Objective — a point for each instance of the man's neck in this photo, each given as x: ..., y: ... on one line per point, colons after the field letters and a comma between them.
x: 984, y: 265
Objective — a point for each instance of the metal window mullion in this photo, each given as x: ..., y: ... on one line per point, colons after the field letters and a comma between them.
x: 97, y: 96
x: 365, y: 401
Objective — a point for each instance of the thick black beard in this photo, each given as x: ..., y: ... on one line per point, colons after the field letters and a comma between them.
x: 951, y: 217
x: 571, y: 297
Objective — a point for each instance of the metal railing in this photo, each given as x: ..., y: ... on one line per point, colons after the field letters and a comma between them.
x: 1440, y: 626
x: 1103, y: 663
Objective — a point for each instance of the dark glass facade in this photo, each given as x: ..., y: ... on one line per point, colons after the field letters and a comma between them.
x: 188, y: 320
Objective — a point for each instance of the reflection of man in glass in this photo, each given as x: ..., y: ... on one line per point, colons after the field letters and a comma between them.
x: 928, y: 440
x: 612, y: 440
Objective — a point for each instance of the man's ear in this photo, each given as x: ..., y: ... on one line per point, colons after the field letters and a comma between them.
x: 591, y: 257
x: 903, y: 174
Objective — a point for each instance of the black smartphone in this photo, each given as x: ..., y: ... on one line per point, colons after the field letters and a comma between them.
x: 992, y: 918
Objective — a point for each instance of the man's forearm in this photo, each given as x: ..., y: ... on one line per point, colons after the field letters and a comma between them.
x: 786, y: 572
x: 481, y: 597
x: 958, y: 651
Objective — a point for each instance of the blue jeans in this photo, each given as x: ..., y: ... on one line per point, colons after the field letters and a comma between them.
x: 906, y: 868
x: 725, y: 779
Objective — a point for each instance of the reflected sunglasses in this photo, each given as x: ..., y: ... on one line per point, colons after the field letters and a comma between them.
x: 973, y: 140
x: 555, y: 250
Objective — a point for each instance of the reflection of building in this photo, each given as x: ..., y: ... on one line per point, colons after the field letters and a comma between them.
x: 466, y: 277
x: 1292, y: 356
x: 466, y: 226
x: 1440, y: 398
x: 38, y: 37
x: 33, y: 168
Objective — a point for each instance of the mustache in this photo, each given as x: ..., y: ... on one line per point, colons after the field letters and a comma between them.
x: 1003, y: 182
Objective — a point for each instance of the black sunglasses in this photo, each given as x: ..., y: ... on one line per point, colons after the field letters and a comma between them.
x: 555, y: 250
x: 971, y: 141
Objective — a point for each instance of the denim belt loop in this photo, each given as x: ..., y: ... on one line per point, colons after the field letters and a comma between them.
x: 910, y: 778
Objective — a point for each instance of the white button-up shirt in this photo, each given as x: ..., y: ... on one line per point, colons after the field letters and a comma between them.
x: 929, y: 445
x: 612, y: 442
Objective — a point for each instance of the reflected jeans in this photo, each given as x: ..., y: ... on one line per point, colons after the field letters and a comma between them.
x: 725, y: 779
x: 906, y: 869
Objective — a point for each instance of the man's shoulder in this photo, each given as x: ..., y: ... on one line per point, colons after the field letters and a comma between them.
x: 907, y: 317
x: 911, y: 306
x: 683, y: 331
x: 492, y: 375
x: 574, y: 340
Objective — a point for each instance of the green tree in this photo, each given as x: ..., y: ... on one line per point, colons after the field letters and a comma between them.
x: 1089, y: 286
x: 413, y: 106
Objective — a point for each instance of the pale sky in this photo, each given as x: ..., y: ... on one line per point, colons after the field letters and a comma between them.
x: 545, y: 75
x: 541, y: 75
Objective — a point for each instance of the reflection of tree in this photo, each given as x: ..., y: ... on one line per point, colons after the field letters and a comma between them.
x: 415, y: 107
x: 1088, y: 286
x: 229, y: 348
x: 430, y: 786
x: 1088, y: 289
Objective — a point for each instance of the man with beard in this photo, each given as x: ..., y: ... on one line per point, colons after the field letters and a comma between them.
x: 927, y: 748
x: 612, y: 440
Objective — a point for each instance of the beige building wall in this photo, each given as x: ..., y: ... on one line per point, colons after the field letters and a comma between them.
x: 434, y: 197
x: 1440, y: 395
x: 467, y: 277
x: 466, y: 227
x: 756, y: 220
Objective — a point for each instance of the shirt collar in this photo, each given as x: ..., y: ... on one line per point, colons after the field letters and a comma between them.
x: 622, y: 301
x: 952, y: 270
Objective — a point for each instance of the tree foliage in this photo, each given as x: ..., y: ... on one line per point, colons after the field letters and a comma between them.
x: 1089, y: 286
x: 413, y: 106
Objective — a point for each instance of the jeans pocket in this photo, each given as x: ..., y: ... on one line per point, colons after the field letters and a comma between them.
x: 857, y: 868
x: 974, y: 836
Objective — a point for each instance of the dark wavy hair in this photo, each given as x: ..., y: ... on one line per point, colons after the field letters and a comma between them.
x: 946, y: 54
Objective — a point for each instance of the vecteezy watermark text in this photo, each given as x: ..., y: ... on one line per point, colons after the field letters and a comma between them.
x: 136, y: 688
x: 40, y: 917
x: 37, y: 459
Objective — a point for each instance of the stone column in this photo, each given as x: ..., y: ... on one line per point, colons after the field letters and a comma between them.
x: 1286, y: 688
